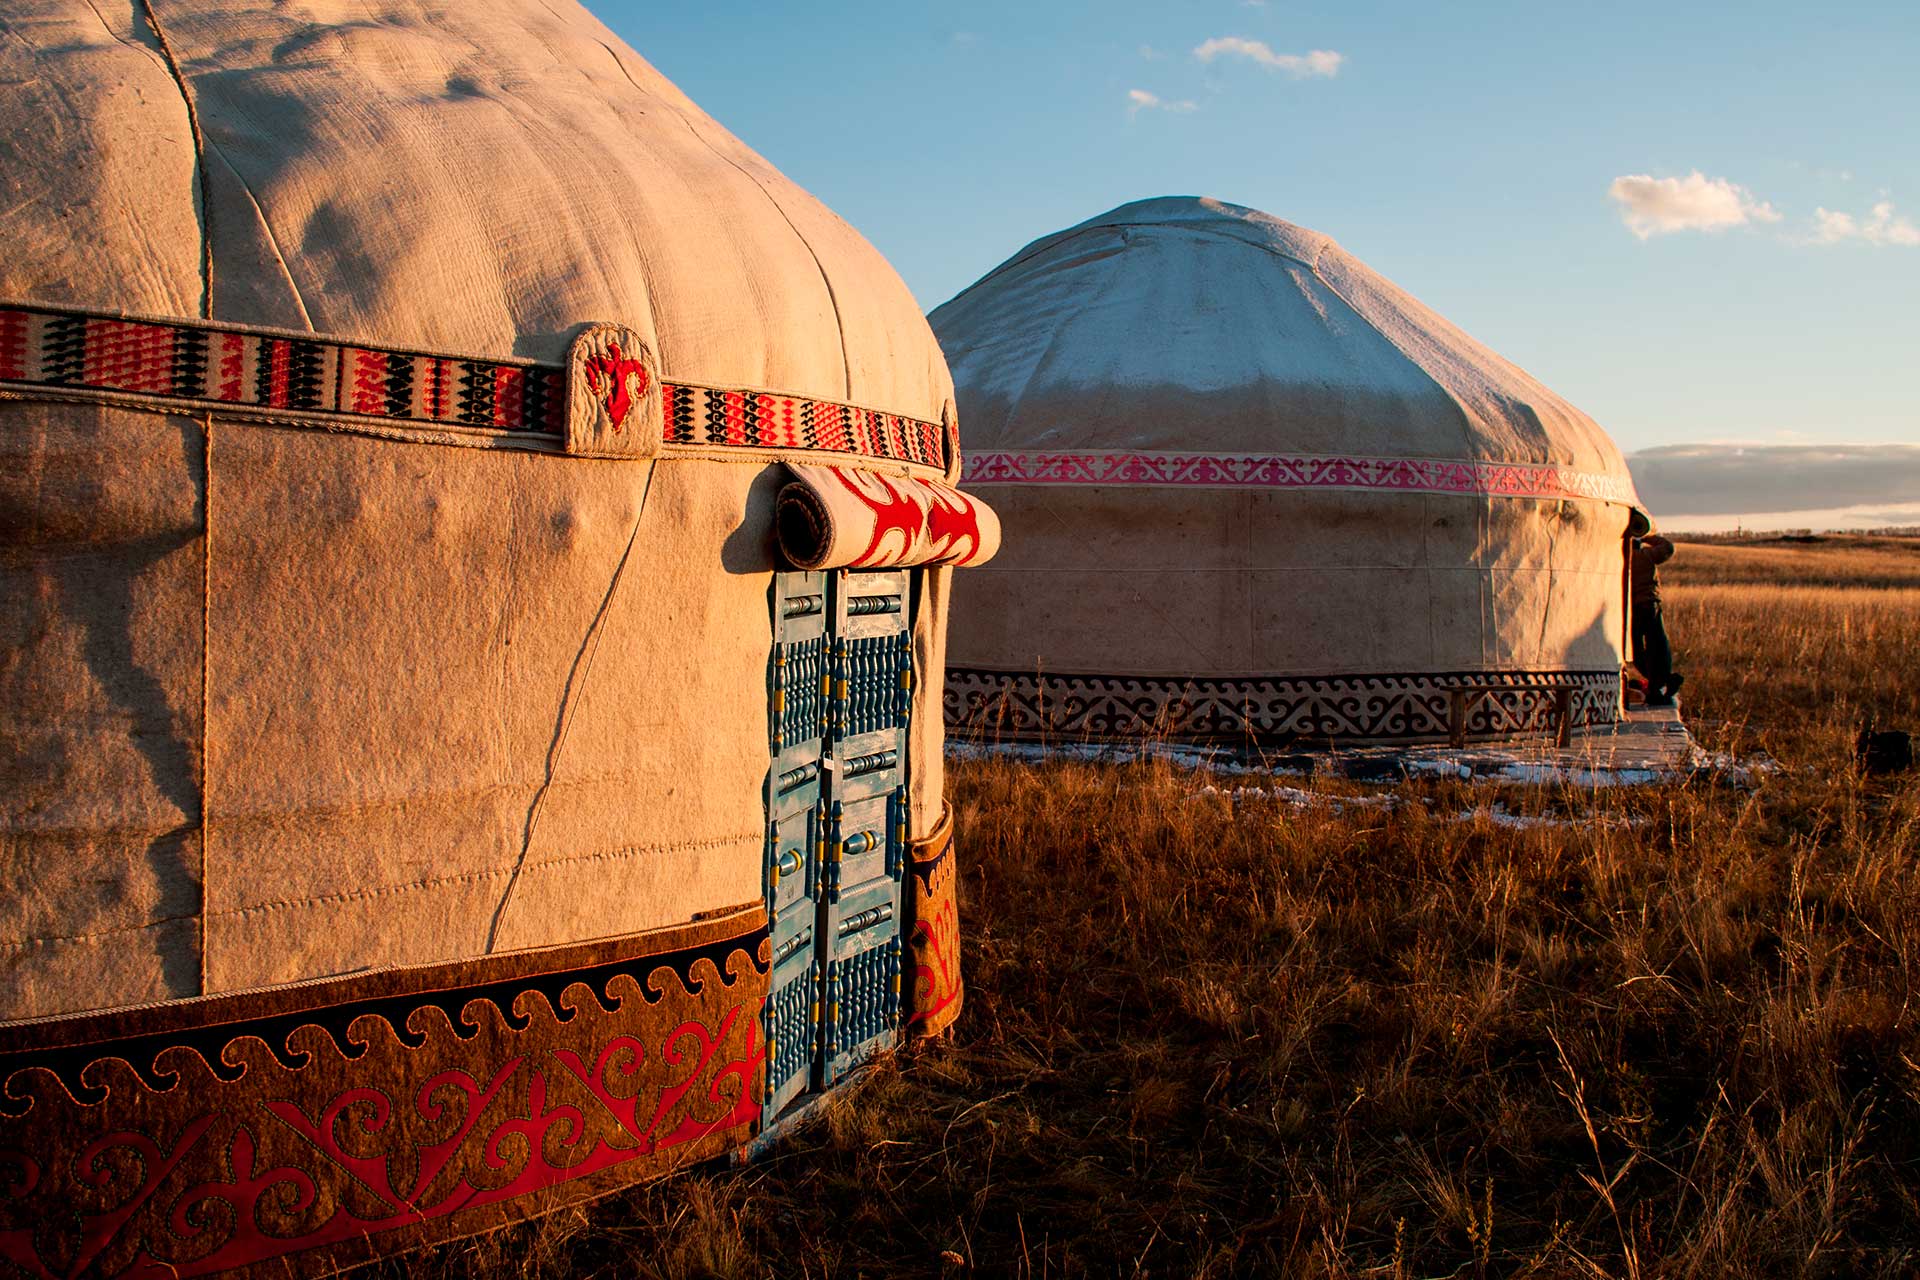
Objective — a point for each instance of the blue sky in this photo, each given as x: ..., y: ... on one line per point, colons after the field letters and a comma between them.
x: 1473, y: 152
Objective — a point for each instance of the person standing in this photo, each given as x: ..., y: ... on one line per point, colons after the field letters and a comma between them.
x: 1652, y: 653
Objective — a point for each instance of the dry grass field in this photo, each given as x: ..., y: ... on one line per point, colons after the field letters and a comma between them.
x: 1443, y: 1030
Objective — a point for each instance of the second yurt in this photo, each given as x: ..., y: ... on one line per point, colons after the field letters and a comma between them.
x: 1256, y: 495
x: 475, y: 543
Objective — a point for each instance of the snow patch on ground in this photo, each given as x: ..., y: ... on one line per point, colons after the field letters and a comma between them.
x: 1519, y: 767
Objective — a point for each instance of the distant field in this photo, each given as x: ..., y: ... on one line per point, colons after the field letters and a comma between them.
x: 1814, y: 561
x: 1443, y: 1030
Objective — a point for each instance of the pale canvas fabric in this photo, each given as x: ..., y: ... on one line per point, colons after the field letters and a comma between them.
x: 435, y: 703
x: 1179, y: 326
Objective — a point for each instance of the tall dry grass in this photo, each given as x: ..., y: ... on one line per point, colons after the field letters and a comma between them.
x: 1658, y: 1032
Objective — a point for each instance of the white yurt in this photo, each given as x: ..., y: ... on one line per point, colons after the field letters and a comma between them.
x: 476, y: 547
x: 1256, y: 495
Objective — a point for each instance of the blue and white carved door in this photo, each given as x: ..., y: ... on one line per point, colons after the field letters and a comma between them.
x: 840, y: 693
x: 798, y: 686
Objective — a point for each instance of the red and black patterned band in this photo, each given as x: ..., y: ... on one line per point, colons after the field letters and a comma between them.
x: 187, y: 366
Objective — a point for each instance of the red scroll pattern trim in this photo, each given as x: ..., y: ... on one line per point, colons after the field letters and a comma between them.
x: 934, y: 990
x: 1299, y: 471
x: 354, y: 1135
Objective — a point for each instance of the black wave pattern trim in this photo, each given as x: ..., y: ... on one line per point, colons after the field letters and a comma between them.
x: 143, y: 1052
x: 993, y: 705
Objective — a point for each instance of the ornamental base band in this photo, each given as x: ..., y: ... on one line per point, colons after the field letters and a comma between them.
x: 310, y: 1128
x: 1278, y: 711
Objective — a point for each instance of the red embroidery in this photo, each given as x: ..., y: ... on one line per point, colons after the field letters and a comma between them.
x: 137, y: 357
x: 210, y: 1171
x: 277, y: 353
x: 13, y: 344
x: 948, y: 527
x: 369, y: 382
x: 233, y: 357
x: 896, y: 513
x: 607, y: 374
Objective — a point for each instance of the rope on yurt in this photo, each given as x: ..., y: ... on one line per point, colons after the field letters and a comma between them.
x: 206, y: 468
x: 569, y: 701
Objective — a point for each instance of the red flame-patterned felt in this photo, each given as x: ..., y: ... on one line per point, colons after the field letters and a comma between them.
x: 307, y: 1128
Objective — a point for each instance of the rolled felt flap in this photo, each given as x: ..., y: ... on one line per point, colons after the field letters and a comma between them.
x: 848, y: 518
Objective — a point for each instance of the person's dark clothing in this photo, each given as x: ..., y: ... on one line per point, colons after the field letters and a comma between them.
x: 1649, y: 553
x: 1652, y: 653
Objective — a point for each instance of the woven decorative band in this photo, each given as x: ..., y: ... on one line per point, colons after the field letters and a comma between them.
x: 185, y: 366
x: 301, y: 1130
x: 1276, y: 711
x: 1298, y: 471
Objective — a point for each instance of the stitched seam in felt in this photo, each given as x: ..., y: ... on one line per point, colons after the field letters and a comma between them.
x: 206, y: 449
x: 569, y: 703
x: 605, y: 855
x: 24, y: 944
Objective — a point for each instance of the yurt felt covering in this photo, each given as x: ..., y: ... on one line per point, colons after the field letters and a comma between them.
x: 316, y: 724
x: 1240, y: 471
x: 362, y: 656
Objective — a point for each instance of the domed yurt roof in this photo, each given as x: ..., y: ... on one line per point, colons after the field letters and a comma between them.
x: 1184, y: 324
x: 471, y: 177
x: 1255, y: 492
x: 421, y: 740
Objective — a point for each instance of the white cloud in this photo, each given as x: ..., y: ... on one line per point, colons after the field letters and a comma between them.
x: 1728, y: 479
x: 1881, y: 226
x: 1653, y: 206
x: 1319, y: 62
x: 1150, y: 53
x: 1139, y: 100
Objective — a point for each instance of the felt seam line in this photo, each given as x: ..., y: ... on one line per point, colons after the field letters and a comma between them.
x: 570, y: 703
x: 1468, y: 418
x: 206, y: 457
x: 381, y: 891
x: 199, y: 159
x: 833, y: 299
x: 206, y: 694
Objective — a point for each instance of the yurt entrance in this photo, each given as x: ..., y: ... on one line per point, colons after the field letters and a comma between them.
x: 840, y: 697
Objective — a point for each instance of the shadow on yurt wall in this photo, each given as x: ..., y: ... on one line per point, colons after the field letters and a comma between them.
x: 1257, y: 496
x: 433, y: 792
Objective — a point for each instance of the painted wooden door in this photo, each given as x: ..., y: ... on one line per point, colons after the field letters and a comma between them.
x: 799, y: 677
x: 840, y: 689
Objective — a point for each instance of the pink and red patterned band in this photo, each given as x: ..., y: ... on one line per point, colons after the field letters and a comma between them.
x: 187, y: 366
x: 1298, y: 471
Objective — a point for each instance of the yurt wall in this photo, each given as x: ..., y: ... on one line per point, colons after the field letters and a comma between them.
x: 430, y: 784
x: 1257, y: 495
